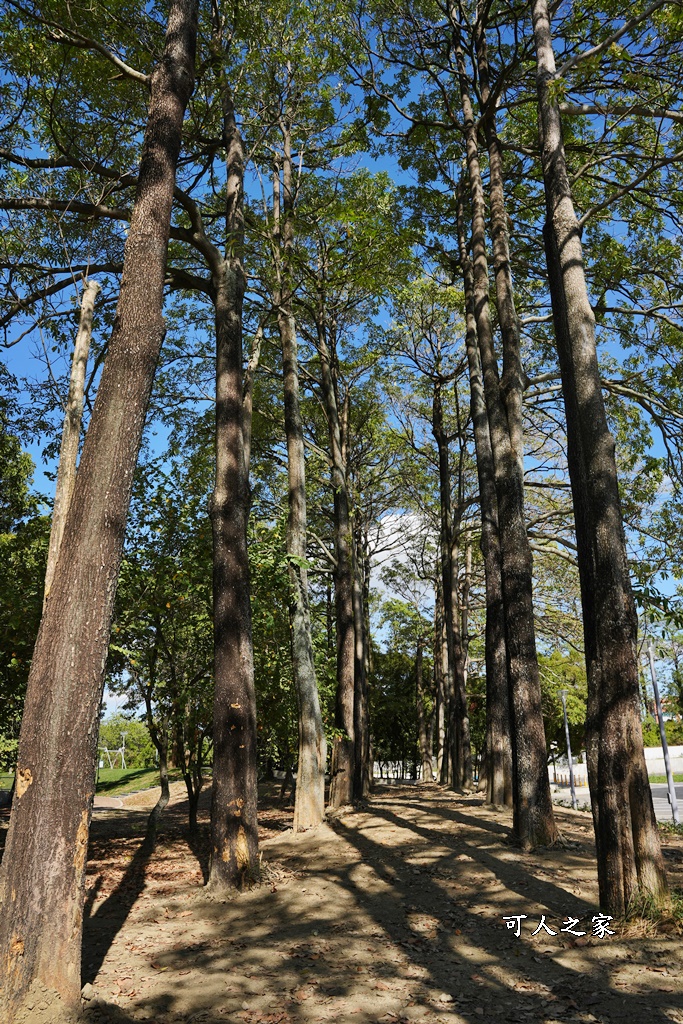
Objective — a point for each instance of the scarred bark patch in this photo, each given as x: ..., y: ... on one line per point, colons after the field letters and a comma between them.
x: 242, y: 849
x: 24, y: 780
x: 81, y: 842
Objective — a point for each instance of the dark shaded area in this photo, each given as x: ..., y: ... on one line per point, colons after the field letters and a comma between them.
x: 318, y: 945
x: 412, y: 855
x: 101, y: 928
x: 149, y: 853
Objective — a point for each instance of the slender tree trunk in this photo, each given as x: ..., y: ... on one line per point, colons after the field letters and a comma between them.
x: 462, y: 751
x: 460, y: 759
x: 44, y: 863
x: 512, y: 380
x: 445, y: 774
x: 310, y: 791
x: 498, y: 770
x: 533, y: 819
x: 309, y: 807
x: 361, y: 723
x: 422, y: 723
x: 343, y: 750
x: 430, y: 740
x: 185, y: 747
x: 193, y: 793
x: 363, y: 557
x: 440, y: 718
x: 628, y: 847
x: 234, y: 832
x: 248, y: 398
x: 160, y: 739
x: 234, y: 794
x: 71, y: 431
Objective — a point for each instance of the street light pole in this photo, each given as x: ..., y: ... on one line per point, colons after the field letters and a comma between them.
x: 563, y: 695
x: 662, y: 732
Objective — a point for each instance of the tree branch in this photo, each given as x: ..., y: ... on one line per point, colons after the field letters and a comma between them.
x: 594, y: 51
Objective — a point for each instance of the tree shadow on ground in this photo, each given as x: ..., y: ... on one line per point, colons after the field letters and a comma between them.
x: 549, y: 894
x: 568, y: 991
x: 101, y: 927
x: 393, y: 919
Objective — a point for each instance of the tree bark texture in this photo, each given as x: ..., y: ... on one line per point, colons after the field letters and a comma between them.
x: 439, y: 715
x: 461, y: 758
x: 424, y: 733
x: 462, y: 750
x: 234, y: 833
x: 164, y: 795
x: 248, y: 397
x: 512, y: 380
x: 498, y: 748
x: 159, y: 736
x: 445, y: 692
x: 234, y: 793
x: 629, y: 853
x: 342, y: 771
x: 309, y: 807
x: 362, y: 769
x: 44, y: 863
x: 533, y: 819
x: 71, y: 431
x: 362, y: 555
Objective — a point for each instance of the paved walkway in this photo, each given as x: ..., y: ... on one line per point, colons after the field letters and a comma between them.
x: 107, y: 803
x: 660, y: 799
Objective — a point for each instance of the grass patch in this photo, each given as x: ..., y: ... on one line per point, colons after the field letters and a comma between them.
x: 646, y: 917
x: 117, y: 781
x: 669, y: 829
x: 678, y: 777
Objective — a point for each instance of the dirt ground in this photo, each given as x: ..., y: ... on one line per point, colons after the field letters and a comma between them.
x: 391, y: 913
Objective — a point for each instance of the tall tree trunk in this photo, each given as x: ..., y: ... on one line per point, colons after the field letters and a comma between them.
x: 44, y: 863
x: 440, y: 715
x: 533, y: 819
x: 363, y: 551
x: 71, y: 431
x: 460, y: 759
x: 343, y: 750
x: 248, y: 398
x: 159, y: 735
x: 445, y: 774
x: 512, y: 380
x: 498, y: 748
x: 160, y: 740
x: 361, y: 719
x: 462, y: 751
x: 309, y: 807
x: 234, y: 794
x: 423, y: 731
x: 628, y: 847
x: 234, y: 834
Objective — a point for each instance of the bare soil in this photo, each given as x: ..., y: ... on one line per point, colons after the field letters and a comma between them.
x: 390, y: 913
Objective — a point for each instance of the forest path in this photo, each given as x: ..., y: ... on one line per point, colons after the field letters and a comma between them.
x: 390, y: 913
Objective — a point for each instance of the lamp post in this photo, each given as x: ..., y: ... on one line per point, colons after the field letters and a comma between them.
x: 563, y: 695
x: 662, y: 732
